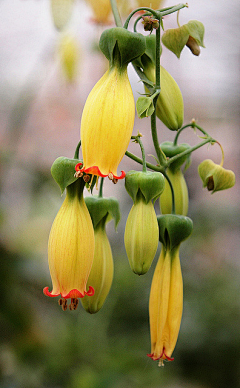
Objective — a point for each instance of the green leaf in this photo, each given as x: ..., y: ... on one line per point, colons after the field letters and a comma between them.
x: 145, y: 107
x: 196, y: 30
x: 99, y: 208
x: 63, y: 170
x: 175, y: 39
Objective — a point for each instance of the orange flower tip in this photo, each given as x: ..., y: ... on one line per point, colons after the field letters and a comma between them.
x: 72, y: 294
x: 78, y: 166
x: 94, y: 170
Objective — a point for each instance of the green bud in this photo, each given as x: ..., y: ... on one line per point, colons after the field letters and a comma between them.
x: 141, y: 235
x: 180, y: 194
x: 215, y: 177
x: 101, y: 274
x: 173, y: 229
x: 150, y: 184
x: 127, y: 45
x: 101, y: 210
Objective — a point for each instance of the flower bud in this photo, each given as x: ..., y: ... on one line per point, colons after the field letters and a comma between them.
x: 61, y: 12
x: 102, y: 210
x: 154, y: 4
x: 215, y: 177
x: 71, y: 246
x: 177, y: 180
x: 101, y: 10
x: 69, y: 55
x: 141, y: 235
x: 169, y: 108
x: 180, y: 194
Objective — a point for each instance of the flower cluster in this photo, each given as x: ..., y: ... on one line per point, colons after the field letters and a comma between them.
x: 79, y: 252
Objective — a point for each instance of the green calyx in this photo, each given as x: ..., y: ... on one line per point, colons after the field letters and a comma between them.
x: 150, y: 184
x: 63, y: 170
x: 103, y: 209
x: 215, y: 177
x: 190, y: 35
x: 121, y: 46
x: 173, y: 229
x: 171, y: 150
x: 149, y: 56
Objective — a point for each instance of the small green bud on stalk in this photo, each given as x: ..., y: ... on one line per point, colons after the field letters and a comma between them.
x: 215, y: 177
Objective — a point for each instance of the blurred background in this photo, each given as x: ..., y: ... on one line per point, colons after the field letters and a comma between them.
x: 40, y: 111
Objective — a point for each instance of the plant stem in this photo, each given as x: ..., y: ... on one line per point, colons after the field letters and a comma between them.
x: 76, y: 155
x: 137, y: 139
x: 149, y: 165
x: 188, y: 151
x: 116, y: 14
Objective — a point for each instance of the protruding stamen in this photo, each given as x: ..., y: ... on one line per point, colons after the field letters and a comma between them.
x: 115, y: 180
x: 161, y: 363
x: 78, y: 174
x: 74, y: 304
x: 63, y: 302
x: 86, y: 178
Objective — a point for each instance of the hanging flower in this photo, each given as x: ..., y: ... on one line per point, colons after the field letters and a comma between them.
x: 102, y: 210
x: 71, y: 248
x: 166, y: 296
x: 109, y: 112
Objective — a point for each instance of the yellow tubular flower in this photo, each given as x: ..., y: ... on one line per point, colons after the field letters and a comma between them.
x: 165, y: 305
x: 101, y: 274
x: 101, y: 10
x: 71, y: 248
x: 154, y: 4
x: 107, y: 123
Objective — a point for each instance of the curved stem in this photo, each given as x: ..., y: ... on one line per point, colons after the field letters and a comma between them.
x: 137, y: 139
x: 149, y: 165
x: 173, y: 9
x: 116, y: 14
x: 188, y: 151
x: 76, y: 155
x: 150, y: 10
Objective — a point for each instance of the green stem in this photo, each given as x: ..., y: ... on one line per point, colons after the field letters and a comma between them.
x: 149, y: 165
x: 159, y: 153
x: 173, y: 9
x: 192, y: 125
x: 157, y: 70
x: 76, y: 155
x: 116, y: 14
x: 137, y: 139
x: 150, y: 10
x: 188, y: 151
x: 100, y: 193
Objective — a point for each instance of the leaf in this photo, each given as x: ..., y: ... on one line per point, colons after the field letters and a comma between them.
x: 63, y: 170
x: 175, y: 39
x: 145, y: 107
x: 196, y: 30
